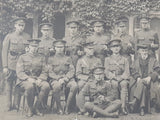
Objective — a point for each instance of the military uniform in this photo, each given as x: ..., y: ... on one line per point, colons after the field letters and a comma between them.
x: 83, y: 72
x: 74, y: 42
x: 127, y: 40
x: 100, y: 40
x: 32, y: 66
x: 61, y: 72
x: 13, y: 47
x: 145, y: 74
x: 147, y: 36
x: 46, y: 44
x: 117, y: 70
x: 103, y: 95
x: 127, y: 44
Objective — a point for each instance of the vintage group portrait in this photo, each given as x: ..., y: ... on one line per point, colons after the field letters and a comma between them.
x: 79, y: 59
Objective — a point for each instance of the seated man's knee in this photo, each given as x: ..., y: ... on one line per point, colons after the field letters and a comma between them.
x: 118, y: 101
x: 81, y: 84
x: 89, y: 105
x: 73, y: 86
x: 45, y: 86
x: 28, y: 86
x: 124, y: 84
x: 114, y: 84
x: 56, y: 86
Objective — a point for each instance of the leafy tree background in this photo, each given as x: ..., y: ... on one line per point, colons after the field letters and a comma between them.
x: 86, y: 9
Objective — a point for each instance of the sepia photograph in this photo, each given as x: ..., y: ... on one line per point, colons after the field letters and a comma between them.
x: 79, y: 59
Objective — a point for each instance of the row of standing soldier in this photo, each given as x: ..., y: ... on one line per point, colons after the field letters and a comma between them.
x: 74, y: 62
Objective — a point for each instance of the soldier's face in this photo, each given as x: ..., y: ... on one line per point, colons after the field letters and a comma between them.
x: 99, y: 77
x: 98, y: 28
x: 115, y: 49
x: 144, y: 53
x: 89, y: 51
x: 32, y: 49
x: 73, y: 30
x: 19, y: 27
x: 145, y: 25
x: 122, y: 29
x: 59, y: 49
x: 46, y: 32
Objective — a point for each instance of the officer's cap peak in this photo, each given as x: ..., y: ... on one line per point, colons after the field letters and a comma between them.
x: 34, y: 41
x: 121, y: 20
x: 59, y: 42
x: 142, y: 46
x: 98, y: 22
x: 73, y: 21
x: 19, y: 20
x: 46, y: 25
x: 89, y: 44
x: 144, y: 18
x: 114, y: 42
x: 98, y: 70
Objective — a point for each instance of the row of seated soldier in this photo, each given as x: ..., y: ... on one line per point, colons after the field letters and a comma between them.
x: 101, y: 75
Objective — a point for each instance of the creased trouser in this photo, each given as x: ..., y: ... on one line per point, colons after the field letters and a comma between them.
x: 109, y: 111
x: 140, y: 93
x: 29, y: 92
x: 80, y: 97
x: 10, y: 81
x: 44, y: 89
x: 123, y: 85
x: 57, y: 88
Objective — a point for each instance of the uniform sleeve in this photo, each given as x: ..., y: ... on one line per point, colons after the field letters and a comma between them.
x: 71, y: 71
x: 136, y: 42
x: 156, y: 40
x: 98, y: 63
x: 107, y: 71
x: 132, y: 48
x: 86, y: 89
x: 126, y: 72
x: 5, y: 51
x: 79, y: 74
x: 156, y: 71
x: 43, y: 75
x: 20, y: 69
x: 134, y: 73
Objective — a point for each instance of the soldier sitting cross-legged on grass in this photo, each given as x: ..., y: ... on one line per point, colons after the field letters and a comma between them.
x: 83, y: 72
x: 103, y: 95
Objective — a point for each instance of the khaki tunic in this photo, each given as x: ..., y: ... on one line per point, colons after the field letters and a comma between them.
x: 31, y: 65
x: 73, y: 45
x: 147, y: 35
x: 45, y: 46
x: 100, y: 42
x: 126, y: 40
x: 85, y: 65
x: 105, y: 88
x: 118, y: 66
x: 13, y: 47
x: 60, y: 66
